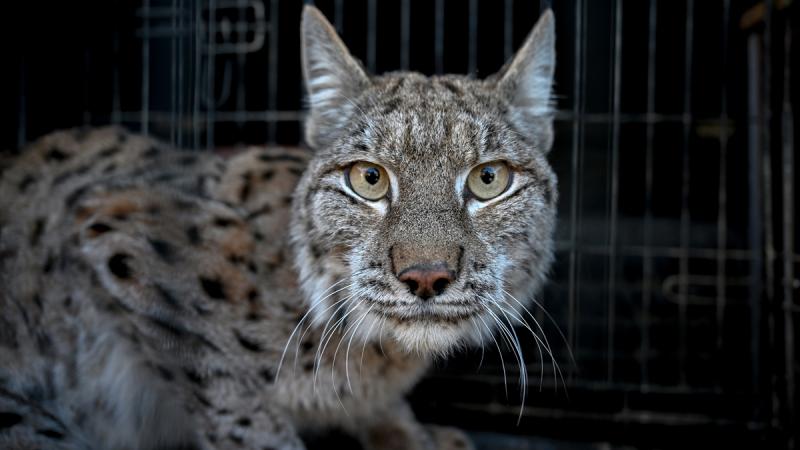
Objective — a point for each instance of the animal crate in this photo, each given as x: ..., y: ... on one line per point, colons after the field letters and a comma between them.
x: 672, y: 304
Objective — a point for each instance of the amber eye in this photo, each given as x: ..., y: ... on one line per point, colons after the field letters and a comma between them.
x: 368, y: 180
x: 489, y: 180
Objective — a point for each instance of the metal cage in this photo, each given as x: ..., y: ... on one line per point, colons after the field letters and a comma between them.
x: 676, y: 280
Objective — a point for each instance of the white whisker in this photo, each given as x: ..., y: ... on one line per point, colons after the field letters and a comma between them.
x: 499, y: 352
x: 317, y: 355
x: 364, y: 347
x: 300, y: 322
x: 352, y: 327
x: 330, y: 337
x: 347, y: 352
x: 556, y: 367
x: 509, y: 338
x: 536, y: 338
x: 523, y: 367
x: 549, y: 317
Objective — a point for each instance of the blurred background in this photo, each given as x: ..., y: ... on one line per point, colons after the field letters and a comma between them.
x: 677, y: 281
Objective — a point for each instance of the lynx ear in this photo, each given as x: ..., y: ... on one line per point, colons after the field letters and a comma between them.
x: 526, y: 82
x: 332, y: 76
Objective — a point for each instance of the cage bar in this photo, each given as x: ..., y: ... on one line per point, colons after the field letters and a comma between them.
x: 22, y: 106
x: 789, y: 305
x: 472, y: 64
x: 272, y: 103
x: 685, y: 216
x: 508, y: 29
x: 197, y: 19
x: 405, y: 33
x: 241, y: 62
x: 338, y: 15
x: 87, y: 113
x: 173, y: 74
x: 145, y: 111
x: 722, y: 197
x: 576, y: 171
x: 372, y: 11
x: 438, y: 44
x: 647, y: 254
x: 612, y: 233
x: 116, y: 107
x: 210, y: 96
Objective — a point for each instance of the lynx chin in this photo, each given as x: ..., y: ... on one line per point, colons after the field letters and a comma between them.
x: 155, y: 298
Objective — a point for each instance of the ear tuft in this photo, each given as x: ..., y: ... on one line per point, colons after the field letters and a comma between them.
x: 332, y: 76
x: 527, y: 81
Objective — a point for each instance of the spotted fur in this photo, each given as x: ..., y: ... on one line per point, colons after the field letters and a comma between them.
x: 154, y: 298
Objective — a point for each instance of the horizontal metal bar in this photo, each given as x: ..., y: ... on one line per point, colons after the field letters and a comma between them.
x: 189, y: 31
x: 624, y: 416
x: 222, y: 116
x: 659, y: 251
x: 595, y: 386
x: 167, y: 12
x: 562, y: 117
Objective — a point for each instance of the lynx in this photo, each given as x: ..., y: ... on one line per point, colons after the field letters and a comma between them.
x: 154, y: 298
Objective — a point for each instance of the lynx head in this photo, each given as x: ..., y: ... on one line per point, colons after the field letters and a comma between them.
x: 428, y: 210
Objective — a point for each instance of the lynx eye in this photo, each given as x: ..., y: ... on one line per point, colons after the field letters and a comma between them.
x: 368, y: 180
x: 489, y: 180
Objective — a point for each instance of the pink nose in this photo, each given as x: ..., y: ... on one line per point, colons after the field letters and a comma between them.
x: 427, y: 280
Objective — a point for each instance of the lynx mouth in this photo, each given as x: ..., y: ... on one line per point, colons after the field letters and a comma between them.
x: 453, y: 312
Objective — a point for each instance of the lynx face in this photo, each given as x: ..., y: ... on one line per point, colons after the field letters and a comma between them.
x: 427, y: 213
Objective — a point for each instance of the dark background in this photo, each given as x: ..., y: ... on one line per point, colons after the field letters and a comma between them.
x: 676, y: 279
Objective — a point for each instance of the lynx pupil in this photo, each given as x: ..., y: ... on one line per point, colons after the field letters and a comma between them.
x: 372, y: 175
x: 487, y: 175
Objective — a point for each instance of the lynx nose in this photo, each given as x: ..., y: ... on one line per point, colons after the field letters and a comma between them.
x: 427, y: 280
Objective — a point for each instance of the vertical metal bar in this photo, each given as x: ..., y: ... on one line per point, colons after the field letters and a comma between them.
x: 372, y: 25
x: 754, y: 199
x: 508, y: 29
x: 756, y: 213
x: 116, y: 108
x: 211, y: 95
x: 472, y: 68
x: 722, y: 197
x: 575, y: 172
x: 612, y: 236
x: 22, y: 106
x: 241, y: 36
x: 181, y: 65
x: 338, y: 15
x: 768, y: 284
x: 173, y: 72
x: 197, y: 68
x: 647, y: 254
x: 145, y: 67
x: 685, y: 215
x: 788, y: 231
x: 405, y: 33
x: 438, y: 46
x: 273, y: 68
x: 87, y: 113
